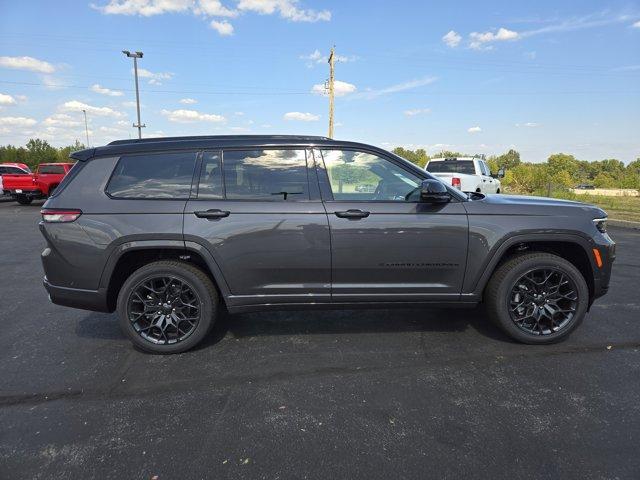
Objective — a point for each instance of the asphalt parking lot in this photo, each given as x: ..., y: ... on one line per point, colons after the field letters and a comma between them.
x: 338, y: 394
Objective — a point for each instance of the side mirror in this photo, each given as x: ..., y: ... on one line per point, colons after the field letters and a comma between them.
x: 500, y: 173
x: 433, y: 191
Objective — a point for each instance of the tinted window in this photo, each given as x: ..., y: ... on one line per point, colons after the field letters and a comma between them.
x: 363, y: 176
x: 266, y: 175
x: 210, y: 176
x: 452, y: 166
x: 14, y: 171
x: 166, y: 175
x: 51, y: 169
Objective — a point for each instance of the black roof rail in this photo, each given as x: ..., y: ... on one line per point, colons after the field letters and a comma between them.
x: 217, y: 137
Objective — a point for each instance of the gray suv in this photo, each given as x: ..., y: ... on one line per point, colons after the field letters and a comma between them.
x: 167, y: 232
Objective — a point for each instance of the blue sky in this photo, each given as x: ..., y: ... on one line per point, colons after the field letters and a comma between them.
x: 479, y: 77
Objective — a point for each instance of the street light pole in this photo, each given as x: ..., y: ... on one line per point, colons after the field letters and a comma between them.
x: 86, y: 127
x: 136, y: 56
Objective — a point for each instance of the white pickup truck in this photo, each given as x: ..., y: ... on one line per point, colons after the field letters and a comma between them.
x: 466, y: 174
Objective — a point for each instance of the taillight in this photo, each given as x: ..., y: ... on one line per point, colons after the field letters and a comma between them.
x: 455, y: 182
x: 51, y: 215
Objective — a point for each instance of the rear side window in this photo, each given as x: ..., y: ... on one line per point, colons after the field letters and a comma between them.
x: 452, y: 166
x: 265, y: 175
x: 158, y: 176
x: 51, y: 169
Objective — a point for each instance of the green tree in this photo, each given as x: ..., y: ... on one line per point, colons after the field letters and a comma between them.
x: 40, y: 152
x: 419, y: 157
x: 508, y: 160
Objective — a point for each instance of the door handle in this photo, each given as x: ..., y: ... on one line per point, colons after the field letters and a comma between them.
x: 352, y: 213
x: 212, y: 214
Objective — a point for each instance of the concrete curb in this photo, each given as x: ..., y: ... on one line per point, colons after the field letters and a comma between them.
x: 624, y: 223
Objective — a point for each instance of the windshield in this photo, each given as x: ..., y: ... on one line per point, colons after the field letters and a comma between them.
x: 451, y: 166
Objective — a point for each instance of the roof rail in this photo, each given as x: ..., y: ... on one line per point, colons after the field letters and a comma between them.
x: 216, y: 137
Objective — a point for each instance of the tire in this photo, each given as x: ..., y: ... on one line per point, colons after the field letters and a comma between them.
x: 23, y: 199
x: 204, y: 296
x: 507, y: 281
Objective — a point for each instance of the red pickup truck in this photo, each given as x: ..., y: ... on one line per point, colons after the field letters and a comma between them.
x: 25, y: 187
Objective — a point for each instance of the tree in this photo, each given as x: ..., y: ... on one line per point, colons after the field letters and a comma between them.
x: 508, y: 160
x: 419, y: 157
x: 39, y: 152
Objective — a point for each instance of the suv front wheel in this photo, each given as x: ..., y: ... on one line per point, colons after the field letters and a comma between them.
x: 167, y: 306
x: 537, y: 298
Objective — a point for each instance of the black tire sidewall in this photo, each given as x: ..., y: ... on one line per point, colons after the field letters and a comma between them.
x: 504, y: 290
x: 208, y: 307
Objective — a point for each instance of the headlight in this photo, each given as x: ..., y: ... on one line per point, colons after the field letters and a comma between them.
x: 601, y: 224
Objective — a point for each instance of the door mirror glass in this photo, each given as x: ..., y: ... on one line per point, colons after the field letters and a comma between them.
x: 500, y: 173
x: 433, y: 191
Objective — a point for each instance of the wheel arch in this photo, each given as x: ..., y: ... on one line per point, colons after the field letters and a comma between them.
x: 573, y: 248
x: 128, y: 257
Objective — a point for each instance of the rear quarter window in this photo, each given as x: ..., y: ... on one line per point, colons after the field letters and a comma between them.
x: 153, y: 176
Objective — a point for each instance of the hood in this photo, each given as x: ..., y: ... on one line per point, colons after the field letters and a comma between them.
x: 526, y: 205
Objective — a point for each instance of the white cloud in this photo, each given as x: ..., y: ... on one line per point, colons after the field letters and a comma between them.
x: 224, y: 28
x: 474, y: 130
x: 52, y: 83
x: 528, y: 124
x: 636, y: 25
x: 27, y: 63
x: 154, y: 77
x: 191, y: 116
x: 479, y: 41
x: 399, y: 87
x: 61, y: 120
x: 286, y: 8
x: 339, y: 88
x: 316, y: 57
x: 452, y: 39
x: 146, y: 8
x: 17, y: 122
x: 76, y: 106
x: 301, y: 116
x: 7, y: 99
x: 106, y: 91
x: 214, y: 8
x: 129, y: 104
x: 416, y: 111
x: 188, y: 101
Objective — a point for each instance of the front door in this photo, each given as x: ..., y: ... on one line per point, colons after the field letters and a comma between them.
x: 263, y: 222
x: 386, y: 245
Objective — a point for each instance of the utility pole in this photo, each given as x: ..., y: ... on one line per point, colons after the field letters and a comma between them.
x: 136, y: 56
x: 331, y: 89
x: 86, y: 127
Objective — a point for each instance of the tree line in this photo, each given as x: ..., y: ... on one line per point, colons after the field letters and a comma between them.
x: 560, y: 170
x: 37, y: 151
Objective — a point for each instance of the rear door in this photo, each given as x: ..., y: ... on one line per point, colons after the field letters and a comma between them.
x: 259, y: 214
x: 387, y: 246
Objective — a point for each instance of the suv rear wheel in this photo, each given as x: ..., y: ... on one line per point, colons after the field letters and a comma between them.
x: 537, y: 298
x: 167, y: 307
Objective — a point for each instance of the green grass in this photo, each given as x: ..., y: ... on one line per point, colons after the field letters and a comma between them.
x: 619, y: 208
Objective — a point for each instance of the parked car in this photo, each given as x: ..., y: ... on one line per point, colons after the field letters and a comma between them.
x: 7, y: 168
x: 585, y: 186
x: 26, y: 187
x: 168, y: 232
x: 466, y: 174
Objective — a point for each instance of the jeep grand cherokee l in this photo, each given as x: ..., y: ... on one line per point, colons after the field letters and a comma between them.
x: 167, y: 232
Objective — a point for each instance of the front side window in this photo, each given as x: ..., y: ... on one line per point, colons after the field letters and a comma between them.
x: 355, y: 175
x: 157, y: 176
x: 277, y: 175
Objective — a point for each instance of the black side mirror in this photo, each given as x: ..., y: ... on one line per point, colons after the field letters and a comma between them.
x: 433, y: 191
